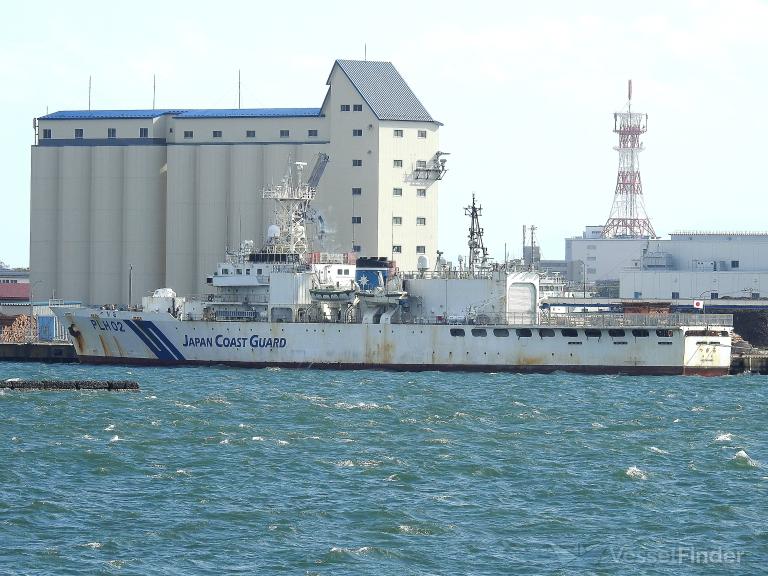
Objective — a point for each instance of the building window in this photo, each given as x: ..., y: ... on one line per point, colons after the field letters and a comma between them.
x: 421, y: 163
x: 250, y: 133
x: 78, y: 133
x: 421, y: 192
x: 421, y: 221
x: 357, y: 191
x: 734, y: 263
x: 675, y: 295
x: 357, y: 162
x: 397, y: 191
x: 285, y: 133
x: 312, y: 133
x: 357, y: 220
x: 357, y: 108
x: 345, y: 107
x: 714, y: 295
x: 398, y: 133
x: 217, y: 133
x: 422, y: 133
x: 356, y: 248
x: 638, y: 295
x: 421, y: 249
x: 111, y: 132
x: 46, y: 133
x: 397, y: 164
x: 397, y: 220
x: 143, y: 132
x: 357, y: 132
x: 397, y: 249
x: 188, y: 134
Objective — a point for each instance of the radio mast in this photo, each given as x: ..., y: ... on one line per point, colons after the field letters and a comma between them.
x: 628, y: 218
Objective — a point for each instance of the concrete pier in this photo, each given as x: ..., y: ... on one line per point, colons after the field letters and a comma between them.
x: 38, y: 352
x: 754, y: 363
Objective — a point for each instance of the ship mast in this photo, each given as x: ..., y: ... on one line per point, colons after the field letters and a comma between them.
x: 292, y: 199
x: 478, y: 253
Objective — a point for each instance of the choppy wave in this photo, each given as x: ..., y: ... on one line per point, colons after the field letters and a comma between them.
x: 378, y: 473
x: 634, y: 473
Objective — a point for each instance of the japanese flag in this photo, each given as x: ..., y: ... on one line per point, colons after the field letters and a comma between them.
x: 698, y: 304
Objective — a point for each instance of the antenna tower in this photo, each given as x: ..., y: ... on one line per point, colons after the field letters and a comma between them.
x: 292, y: 199
x: 628, y: 218
x: 478, y: 253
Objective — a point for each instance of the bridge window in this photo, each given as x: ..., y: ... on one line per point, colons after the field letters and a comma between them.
x: 250, y: 133
x: 501, y: 332
x: 675, y: 295
x: 217, y: 133
x: 569, y: 332
x: 523, y: 332
x: 546, y: 333
x: 592, y: 333
x: 357, y: 191
x: 312, y: 133
x: 734, y: 263
x: 479, y: 332
x: 664, y: 333
x: 640, y: 333
x: 616, y: 333
x: 457, y: 331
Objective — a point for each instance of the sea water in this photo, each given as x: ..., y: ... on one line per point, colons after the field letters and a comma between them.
x: 219, y: 471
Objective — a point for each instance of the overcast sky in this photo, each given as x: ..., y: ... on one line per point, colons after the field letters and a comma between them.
x: 526, y: 92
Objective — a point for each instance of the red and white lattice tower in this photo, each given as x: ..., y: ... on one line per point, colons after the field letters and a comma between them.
x: 628, y: 218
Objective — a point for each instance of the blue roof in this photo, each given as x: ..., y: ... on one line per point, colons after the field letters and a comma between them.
x: 251, y: 113
x: 384, y: 90
x: 106, y: 114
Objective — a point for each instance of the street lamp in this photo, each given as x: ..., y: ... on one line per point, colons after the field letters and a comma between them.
x: 32, y: 307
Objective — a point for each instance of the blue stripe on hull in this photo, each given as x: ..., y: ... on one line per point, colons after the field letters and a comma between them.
x: 161, y: 353
x: 150, y: 326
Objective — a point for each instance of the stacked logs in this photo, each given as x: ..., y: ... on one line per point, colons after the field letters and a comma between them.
x: 19, y: 331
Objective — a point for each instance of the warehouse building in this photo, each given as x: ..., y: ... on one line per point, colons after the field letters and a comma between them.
x: 153, y: 198
x: 687, y: 265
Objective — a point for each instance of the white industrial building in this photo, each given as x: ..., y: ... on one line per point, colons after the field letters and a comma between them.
x: 155, y: 196
x: 688, y: 265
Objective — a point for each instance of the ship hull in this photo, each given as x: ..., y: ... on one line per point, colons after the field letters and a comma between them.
x: 112, y: 337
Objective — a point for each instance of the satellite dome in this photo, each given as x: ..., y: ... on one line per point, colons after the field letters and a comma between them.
x: 423, y: 263
x: 273, y: 231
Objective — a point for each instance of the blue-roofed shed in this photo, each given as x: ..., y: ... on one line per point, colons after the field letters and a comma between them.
x: 108, y: 114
